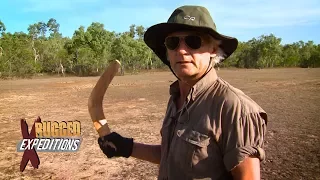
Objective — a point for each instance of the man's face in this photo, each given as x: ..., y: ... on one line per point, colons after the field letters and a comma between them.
x: 188, y: 63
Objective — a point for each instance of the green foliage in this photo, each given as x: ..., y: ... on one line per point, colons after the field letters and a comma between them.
x: 44, y: 50
x: 266, y: 51
x: 2, y: 27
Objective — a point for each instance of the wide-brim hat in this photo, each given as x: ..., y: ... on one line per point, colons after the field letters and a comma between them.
x: 184, y: 18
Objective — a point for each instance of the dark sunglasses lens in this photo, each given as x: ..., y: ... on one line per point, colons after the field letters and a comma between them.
x: 172, y: 42
x: 193, y: 42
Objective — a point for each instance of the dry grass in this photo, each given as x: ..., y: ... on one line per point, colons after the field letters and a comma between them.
x: 135, y: 106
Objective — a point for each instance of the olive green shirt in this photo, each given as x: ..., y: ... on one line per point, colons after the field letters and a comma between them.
x: 214, y: 131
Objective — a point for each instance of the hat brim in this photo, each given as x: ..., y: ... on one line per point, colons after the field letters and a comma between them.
x: 155, y: 35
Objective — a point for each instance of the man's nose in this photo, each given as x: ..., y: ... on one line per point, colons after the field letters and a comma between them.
x: 182, y: 47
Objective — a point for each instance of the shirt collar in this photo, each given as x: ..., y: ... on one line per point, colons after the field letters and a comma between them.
x: 203, y: 84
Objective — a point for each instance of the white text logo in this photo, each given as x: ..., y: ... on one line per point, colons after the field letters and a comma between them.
x: 189, y: 18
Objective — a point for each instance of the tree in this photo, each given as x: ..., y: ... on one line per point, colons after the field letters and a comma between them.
x: 34, y: 32
x: 17, y: 59
x: 94, y: 40
x: 306, y: 50
x: 269, y: 51
x: 2, y: 30
x: 55, y: 55
x: 315, y: 57
x: 140, y: 30
x: 132, y: 32
x: 290, y: 55
x: 53, y: 26
x: 2, y: 27
x: 44, y: 50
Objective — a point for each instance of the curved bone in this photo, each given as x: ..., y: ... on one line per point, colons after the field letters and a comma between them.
x: 96, y: 98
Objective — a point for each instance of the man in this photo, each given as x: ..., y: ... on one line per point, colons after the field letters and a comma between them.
x: 211, y: 130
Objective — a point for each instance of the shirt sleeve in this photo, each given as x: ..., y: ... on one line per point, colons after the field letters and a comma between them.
x: 243, y: 136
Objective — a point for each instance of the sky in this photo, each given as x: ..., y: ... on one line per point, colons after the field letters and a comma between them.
x: 290, y: 20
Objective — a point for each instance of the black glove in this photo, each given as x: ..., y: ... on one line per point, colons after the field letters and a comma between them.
x: 123, y: 145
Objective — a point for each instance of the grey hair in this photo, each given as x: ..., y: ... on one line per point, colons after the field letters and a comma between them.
x: 220, y: 54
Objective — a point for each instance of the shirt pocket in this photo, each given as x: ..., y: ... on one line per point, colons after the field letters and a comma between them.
x: 199, y: 143
x: 192, y: 149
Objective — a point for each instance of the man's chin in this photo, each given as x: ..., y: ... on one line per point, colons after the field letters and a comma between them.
x: 187, y: 75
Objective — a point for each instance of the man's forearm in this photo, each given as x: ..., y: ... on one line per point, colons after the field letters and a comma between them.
x: 247, y: 169
x: 151, y: 153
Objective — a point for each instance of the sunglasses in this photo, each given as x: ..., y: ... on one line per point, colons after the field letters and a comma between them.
x: 192, y: 41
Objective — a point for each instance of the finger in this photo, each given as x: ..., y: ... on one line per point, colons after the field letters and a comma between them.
x: 111, y: 137
x: 109, y: 152
x: 106, y: 144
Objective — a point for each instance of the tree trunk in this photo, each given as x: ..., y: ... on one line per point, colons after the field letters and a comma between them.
x: 10, y: 69
x: 122, y: 70
x: 36, y: 56
x: 62, y: 68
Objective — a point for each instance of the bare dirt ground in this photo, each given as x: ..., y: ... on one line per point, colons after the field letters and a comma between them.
x: 135, y: 106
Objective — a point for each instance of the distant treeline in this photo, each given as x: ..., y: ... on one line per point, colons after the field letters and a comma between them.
x: 44, y: 50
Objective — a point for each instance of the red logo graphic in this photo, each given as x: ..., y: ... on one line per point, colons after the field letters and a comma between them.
x: 29, y: 154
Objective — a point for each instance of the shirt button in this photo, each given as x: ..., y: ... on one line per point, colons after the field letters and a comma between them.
x: 179, y: 133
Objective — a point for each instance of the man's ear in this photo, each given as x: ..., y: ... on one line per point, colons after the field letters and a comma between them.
x: 213, y: 51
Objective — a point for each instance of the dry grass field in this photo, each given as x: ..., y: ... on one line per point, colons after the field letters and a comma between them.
x: 135, y: 106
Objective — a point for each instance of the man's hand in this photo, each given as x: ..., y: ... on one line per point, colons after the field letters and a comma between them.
x: 249, y: 169
x: 123, y: 145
